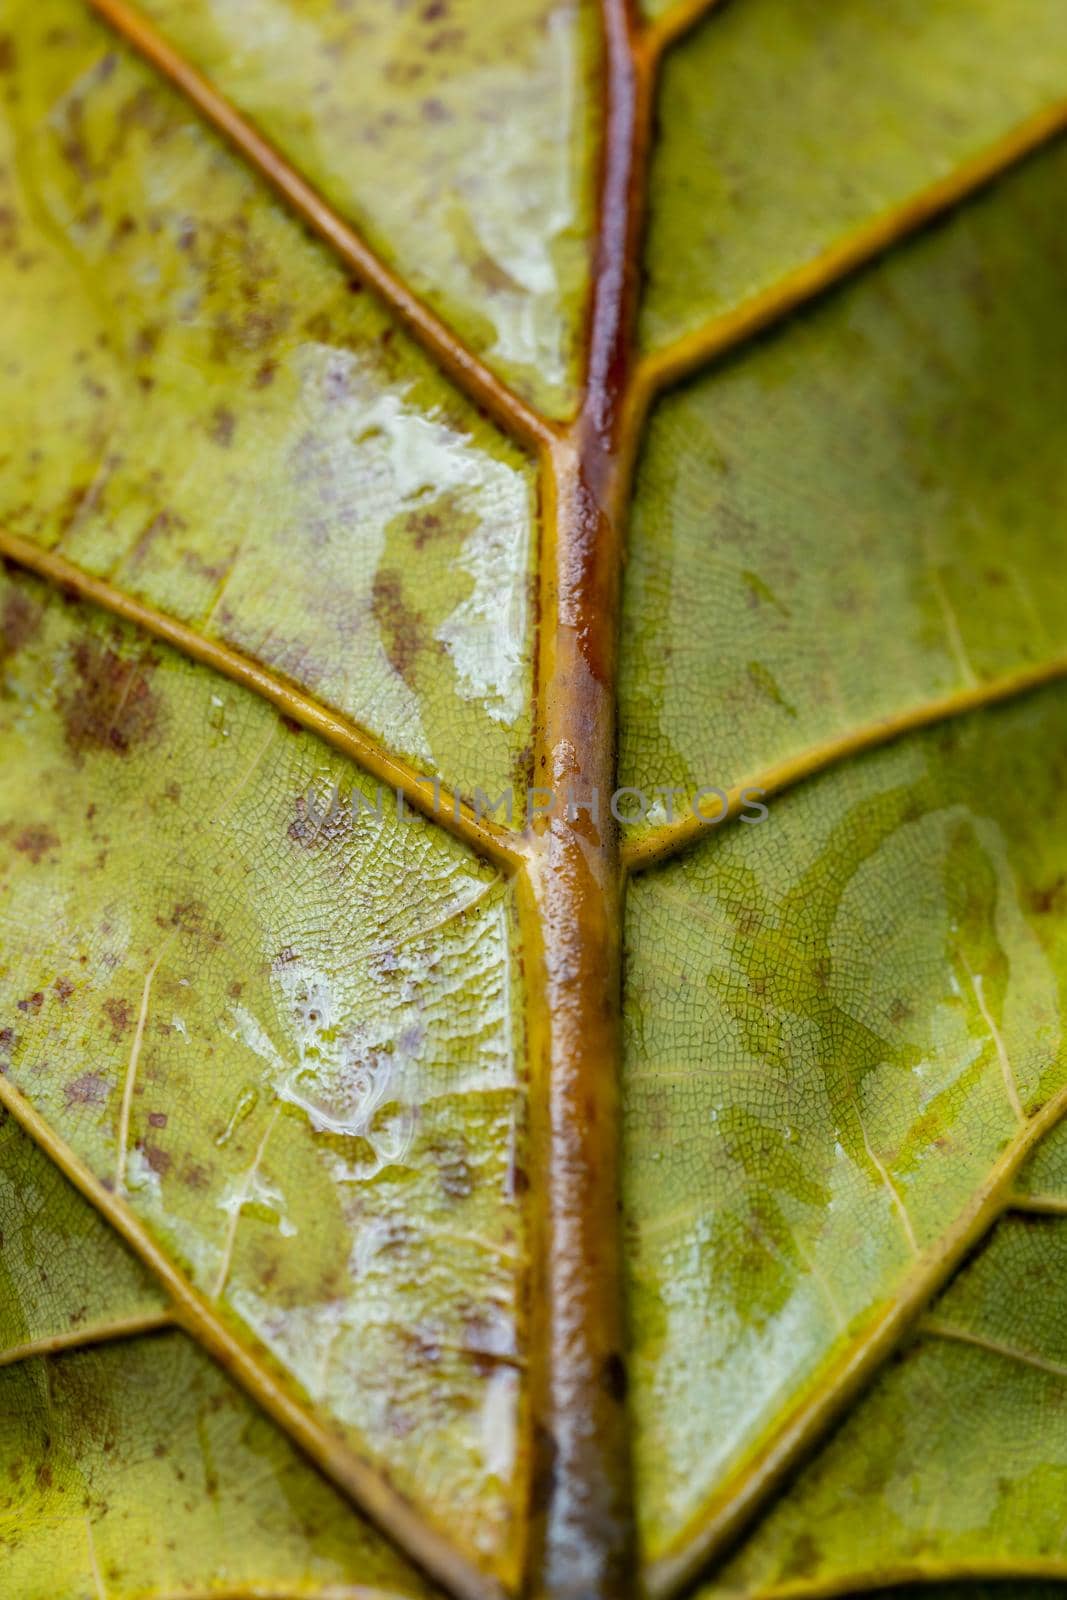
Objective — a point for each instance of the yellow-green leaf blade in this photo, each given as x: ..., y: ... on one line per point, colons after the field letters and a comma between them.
x: 861, y: 514
x: 63, y: 1273
x: 139, y: 1469
x: 302, y: 1024
x: 460, y: 140
x: 838, y: 1025
x: 100, y: 1448
x: 959, y: 1446
x: 786, y: 125
x: 203, y: 409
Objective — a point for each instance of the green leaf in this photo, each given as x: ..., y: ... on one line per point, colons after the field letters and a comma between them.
x: 844, y: 1035
x: 789, y: 124
x: 136, y: 1467
x: 398, y: 1199
x: 282, y: 1034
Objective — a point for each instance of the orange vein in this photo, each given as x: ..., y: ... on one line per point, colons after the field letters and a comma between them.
x: 255, y: 1370
x: 672, y: 25
x: 479, y: 833
x: 470, y: 374
x: 660, y: 843
x: 725, y: 333
x: 1049, y: 1205
x: 51, y: 1344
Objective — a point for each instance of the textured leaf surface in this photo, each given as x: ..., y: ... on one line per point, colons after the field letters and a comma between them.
x: 863, y: 512
x: 459, y: 136
x: 338, y: 371
x: 837, y: 1026
x: 206, y: 410
x: 787, y: 124
x: 960, y: 1444
x: 288, y: 1042
x: 136, y: 1468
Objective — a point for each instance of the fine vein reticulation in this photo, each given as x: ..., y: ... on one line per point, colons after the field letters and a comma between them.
x: 569, y: 870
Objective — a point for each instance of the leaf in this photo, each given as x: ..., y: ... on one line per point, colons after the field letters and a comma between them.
x: 100, y: 1446
x: 281, y: 1038
x: 335, y: 371
x: 881, y: 991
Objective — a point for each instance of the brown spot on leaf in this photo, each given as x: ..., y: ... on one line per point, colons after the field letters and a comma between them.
x: 222, y: 426
x: 157, y: 1159
x: 19, y: 621
x: 320, y: 822
x: 193, y: 919
x: 36, y: 841
x: 120, y: 1015
x: 88, y: 1090
x: 453, y: 1168
x: 1049, y: 898
x: 425, y: 525
x: 108, y: 704
x: 401, y: 626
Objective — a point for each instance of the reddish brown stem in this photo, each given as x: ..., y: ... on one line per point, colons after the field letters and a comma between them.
x: 584, y: 1521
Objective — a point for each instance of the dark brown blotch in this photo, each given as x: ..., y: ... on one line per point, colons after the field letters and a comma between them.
x: 108, y: 702
x: 402, y: 627
x: 19, y: 622
x: 36, y: 841
x: 119, y: 1014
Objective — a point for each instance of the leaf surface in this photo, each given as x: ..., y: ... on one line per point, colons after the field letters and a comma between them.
x: 959, y: 1443
x: 862, y: 513
x: 405, y: 402
x: 250, y: 443
x: 841, y: 1030
x: 460, y: 140
x: 789, y: 124
x: 282, y: 1036
x: 128, y: 1459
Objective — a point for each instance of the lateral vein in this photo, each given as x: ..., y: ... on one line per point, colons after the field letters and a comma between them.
x: 736, y: 327
x: 250, y: 1366
x: 486, y: 838
x: 937, y: 1329
x: 84, y: 1338
x: 465, y: 369
x: 660, y: 843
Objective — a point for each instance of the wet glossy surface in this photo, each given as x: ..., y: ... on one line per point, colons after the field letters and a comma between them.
x: 457, y: 136
x: 786, y: 124
x: 293, y: 1043
x: 862, y: 512
x: 960, y: 1445
x: 833, y: 1023
x: 200, y: 407
x: 106, y: 1454
x: 290, y: 1039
